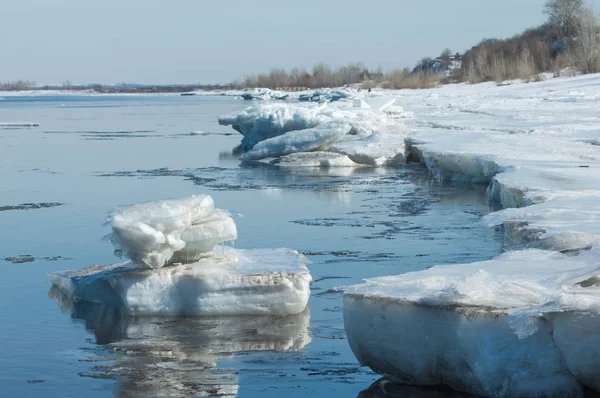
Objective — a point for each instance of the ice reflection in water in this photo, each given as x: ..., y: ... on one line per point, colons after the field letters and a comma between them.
x: 384, y: 388
x: 178, y: 356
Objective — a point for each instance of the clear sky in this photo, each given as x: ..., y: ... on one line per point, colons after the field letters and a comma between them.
x: 212, y: 41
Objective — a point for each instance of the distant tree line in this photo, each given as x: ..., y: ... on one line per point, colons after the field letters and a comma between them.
x: 321, y: 75
x: 18, y: 85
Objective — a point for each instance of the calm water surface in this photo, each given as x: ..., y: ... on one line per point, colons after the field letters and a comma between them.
x: 89, y: 154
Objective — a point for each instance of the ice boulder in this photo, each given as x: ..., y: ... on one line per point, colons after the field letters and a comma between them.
x: 314, y: 139
x: 522, y: 325
x: 227, y: 282
x: 258, y: 123
x: 158, y: 233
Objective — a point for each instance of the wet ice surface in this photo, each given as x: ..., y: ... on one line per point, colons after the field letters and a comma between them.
x: 352, y: 224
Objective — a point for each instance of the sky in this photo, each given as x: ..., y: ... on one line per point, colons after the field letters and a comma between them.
x: 218, y: 41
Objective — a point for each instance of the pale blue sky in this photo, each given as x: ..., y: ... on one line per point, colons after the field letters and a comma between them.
x: 190, y: 41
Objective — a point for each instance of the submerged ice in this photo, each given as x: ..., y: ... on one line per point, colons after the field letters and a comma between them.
x: 179, y: 268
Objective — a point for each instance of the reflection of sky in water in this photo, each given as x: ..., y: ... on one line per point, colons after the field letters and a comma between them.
x: 352, y: 223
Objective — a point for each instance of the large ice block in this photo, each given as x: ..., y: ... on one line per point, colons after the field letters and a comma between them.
x: 521, y: 325
x: 225, y: 282
x: 259, y: 123
x: 317, y: 138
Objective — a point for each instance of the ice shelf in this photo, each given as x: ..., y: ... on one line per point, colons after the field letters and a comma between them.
x: 523, y: 324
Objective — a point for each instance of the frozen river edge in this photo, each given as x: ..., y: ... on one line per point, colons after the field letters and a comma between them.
x: 525, y: 323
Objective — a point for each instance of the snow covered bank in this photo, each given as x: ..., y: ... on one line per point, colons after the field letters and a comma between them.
x: 534, y: 144
x: 179, y: 268
x: 524, y: 323
x: 374, y: 133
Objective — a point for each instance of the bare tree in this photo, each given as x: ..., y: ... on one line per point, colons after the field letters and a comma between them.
x: 585, y: 51
x: 445, y: 58
x: 564, y: 14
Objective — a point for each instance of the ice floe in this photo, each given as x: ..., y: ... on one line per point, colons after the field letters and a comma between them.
x: 317, y: 138
x: 178, y: 266
x: 494, y: 328
x: 375, y: 135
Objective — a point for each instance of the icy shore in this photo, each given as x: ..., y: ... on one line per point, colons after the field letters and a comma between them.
x: 525, y: 323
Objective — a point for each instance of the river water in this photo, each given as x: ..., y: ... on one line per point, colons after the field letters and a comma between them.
x: 90, y: 154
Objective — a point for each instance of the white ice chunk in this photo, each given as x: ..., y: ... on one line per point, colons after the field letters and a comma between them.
x: 314, y: 159
x: 487, y: 328
x: 360, y: 103
x: 259, y: 123
x: 202, y: 237
x: 380, y: 103
x: 314, y: 139
x: 385, y: 147
x: 264, y: 94
x: 234, y: 282
x: 267, y: 121
x: 150, y: 233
